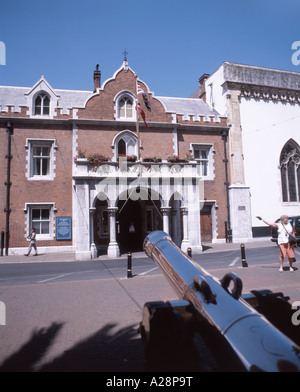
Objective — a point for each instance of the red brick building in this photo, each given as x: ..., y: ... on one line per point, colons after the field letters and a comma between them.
x: 85, y: 203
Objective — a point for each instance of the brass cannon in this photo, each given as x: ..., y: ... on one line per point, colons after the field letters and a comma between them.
x: 235, y: 332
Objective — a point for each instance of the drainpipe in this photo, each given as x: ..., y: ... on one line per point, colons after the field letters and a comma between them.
x: 7, y: 210
x: 225, y: 160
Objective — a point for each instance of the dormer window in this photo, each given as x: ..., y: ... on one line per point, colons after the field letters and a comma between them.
x: 42, y: 105
x: 125, y: 108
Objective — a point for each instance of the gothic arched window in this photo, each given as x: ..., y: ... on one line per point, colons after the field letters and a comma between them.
x: 42, y: 105
x: 290, y: 172
x: 125, y: 108
x: 125, y: 143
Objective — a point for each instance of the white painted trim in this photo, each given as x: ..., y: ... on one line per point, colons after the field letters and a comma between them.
x: 42, y: 86
x: 126, y: 135
x: 175, y: 141
x: 27, y: 210
x: 211, y: 160
x: 29, y: 159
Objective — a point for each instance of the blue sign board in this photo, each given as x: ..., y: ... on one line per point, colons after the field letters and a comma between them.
x: 63, y: 228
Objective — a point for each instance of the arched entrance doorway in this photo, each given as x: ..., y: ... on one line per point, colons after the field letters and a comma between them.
x: 145, y: 216
x: 100, y: 228
x: 129, y: 214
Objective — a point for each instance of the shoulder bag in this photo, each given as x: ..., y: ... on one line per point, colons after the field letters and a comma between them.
x: 292, y: 239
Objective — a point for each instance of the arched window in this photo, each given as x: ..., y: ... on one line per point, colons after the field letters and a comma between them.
x: 42, y: 105
x: 125, y: 108
x: 290, y: 172
x: 125, y: 143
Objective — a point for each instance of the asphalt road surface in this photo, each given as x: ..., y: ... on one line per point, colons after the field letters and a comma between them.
x: 43, y: 272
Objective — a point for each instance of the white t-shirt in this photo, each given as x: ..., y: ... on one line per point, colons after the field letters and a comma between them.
x: 283, y: 237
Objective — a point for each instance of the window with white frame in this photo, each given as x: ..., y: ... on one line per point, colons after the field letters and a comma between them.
x: 202, y: 154
x: 125, y: 108
x: 41, y: 159
x: 125, y: 144
x: 41, y: 217
x: 40, y: 220
x: 42, y: 105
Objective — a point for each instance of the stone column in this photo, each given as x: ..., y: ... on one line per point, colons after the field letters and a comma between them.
x: 94, y: 252
x: 166, y: 224
x: 83, y: 250
x: 113, y: 248
x: 235, y: 137
x: 239, y: 193
x: 185, y: 242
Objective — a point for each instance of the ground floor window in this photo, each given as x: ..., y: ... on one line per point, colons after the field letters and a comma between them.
x: 40, y: 220
x: 41, y: 217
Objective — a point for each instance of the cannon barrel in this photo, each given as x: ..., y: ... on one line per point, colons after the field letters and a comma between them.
x: 254, y: 342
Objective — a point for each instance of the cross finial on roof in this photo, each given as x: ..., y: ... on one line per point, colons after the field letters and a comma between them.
x: 125, y: 54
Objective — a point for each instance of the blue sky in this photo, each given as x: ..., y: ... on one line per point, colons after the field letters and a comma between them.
x: 170, y: 43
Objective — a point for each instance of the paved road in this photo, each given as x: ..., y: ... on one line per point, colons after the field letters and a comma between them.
x: 35, y: 271
x: 79, y: 316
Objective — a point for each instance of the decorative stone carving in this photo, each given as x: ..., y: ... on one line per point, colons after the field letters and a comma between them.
x: 293, y: 156
x: 268, y: 93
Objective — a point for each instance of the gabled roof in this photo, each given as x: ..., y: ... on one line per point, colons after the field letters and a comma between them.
x: 68, y: 99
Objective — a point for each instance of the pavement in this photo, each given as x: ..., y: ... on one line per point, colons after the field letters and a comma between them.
x: 81, y: 326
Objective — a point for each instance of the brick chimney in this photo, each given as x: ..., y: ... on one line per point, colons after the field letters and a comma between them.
x: 97, y: 78
x: 202, y: 81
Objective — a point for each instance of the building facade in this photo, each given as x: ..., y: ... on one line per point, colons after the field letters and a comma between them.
x: 82, y: 168
x: 263, y: 110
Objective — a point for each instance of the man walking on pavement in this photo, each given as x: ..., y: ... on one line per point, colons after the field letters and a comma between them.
x: 32, y: 244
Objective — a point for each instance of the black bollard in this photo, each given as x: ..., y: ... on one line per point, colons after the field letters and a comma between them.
x: 243, y: 254
x: 189, y: 252
x: 2, y: 242
x: 129, y: 265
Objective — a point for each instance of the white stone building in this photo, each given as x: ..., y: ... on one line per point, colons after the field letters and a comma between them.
x: 263, y: 109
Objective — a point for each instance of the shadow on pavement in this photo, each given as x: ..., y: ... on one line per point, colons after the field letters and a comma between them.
x: 101, y: 352
x: 104, y: 351
x: 32, y: 351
